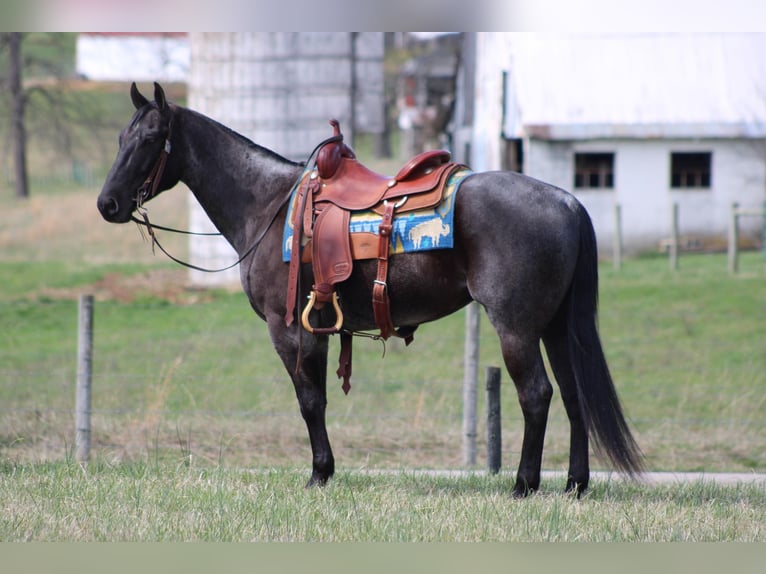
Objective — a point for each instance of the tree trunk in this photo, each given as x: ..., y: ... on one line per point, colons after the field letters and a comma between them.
x: 19, y: 135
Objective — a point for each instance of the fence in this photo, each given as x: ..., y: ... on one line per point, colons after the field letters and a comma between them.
x: 673, y: 244
x: 733, y: 238
x: 78, y: 174
x: 82, y: 439
x: 417, y: 426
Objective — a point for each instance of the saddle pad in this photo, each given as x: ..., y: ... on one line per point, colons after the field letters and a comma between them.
x: 421, y: 230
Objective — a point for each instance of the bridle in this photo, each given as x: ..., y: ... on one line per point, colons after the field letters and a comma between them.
x: 148, y: 190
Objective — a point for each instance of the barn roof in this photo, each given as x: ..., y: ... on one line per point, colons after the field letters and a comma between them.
x: 584, y: 86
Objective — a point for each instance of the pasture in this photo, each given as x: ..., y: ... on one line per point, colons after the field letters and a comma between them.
x: 197, y: 434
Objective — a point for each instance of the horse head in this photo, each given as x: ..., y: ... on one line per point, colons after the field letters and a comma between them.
x: 138, y: 172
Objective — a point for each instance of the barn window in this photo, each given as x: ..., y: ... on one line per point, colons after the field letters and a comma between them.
x: 690, y: 170
x: 594, y: 170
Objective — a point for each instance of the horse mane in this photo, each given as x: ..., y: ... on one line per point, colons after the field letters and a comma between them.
x: 236, y: 135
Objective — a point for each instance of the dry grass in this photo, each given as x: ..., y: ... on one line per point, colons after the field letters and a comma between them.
x: 67, y: 227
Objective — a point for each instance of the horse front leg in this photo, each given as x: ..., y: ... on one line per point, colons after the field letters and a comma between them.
x: 307, y: 365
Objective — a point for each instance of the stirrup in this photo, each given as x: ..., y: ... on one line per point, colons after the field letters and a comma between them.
x: 322, y: 330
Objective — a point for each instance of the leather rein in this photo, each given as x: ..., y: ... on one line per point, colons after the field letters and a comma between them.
x: 148, y: 190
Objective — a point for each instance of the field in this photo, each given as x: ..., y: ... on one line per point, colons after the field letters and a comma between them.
x: 197, y: 434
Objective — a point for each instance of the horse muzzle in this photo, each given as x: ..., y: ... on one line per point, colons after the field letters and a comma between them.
x: 111, y: 210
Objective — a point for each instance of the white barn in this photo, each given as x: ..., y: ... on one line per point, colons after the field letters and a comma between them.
x: 644, y: 121
x: 137, y: 56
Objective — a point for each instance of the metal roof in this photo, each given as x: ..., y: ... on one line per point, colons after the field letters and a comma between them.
x: 583, y: 86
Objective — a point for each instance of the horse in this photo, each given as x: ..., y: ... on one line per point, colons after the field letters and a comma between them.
x: 524, y: 250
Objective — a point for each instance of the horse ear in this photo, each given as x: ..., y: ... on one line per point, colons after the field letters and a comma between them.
x: 159, y: 96
x: 138, y: 100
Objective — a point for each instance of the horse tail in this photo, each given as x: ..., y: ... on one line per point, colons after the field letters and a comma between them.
x: 599, y: 404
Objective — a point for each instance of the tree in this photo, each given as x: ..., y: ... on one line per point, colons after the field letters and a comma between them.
x: 39, y: 110
x: 18, y: 104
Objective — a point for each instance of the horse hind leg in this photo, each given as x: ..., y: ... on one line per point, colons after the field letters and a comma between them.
x: 556, y: 345
x: 525, y: 365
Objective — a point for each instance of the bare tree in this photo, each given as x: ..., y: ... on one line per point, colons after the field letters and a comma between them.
x: 18, y: 104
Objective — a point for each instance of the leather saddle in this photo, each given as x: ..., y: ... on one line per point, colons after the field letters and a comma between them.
x: 327, y: 195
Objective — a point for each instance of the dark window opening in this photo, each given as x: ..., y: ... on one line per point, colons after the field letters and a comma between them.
x: 594, y: 170
x: 690, y: 170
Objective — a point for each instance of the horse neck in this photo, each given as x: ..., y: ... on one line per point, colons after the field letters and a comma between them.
x: 235, y: 181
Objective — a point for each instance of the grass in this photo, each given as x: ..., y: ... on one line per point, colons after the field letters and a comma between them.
x: 184, y: 371
x: 148, y: 502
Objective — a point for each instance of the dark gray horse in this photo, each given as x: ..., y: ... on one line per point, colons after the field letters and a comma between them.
x: 525, y: 250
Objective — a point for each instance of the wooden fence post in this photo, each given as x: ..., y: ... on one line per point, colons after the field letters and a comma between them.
x: 84, y: 377
x: 470, y: 383
x: 494, y: 421
x: 617, y: 239
x: 674, y: 238
x: 733, y: 238
x: 763, y: 242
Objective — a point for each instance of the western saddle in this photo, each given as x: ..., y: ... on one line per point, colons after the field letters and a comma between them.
x: 327, y: 194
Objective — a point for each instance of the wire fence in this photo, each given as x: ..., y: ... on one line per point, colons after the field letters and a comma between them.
x: 685, y: 421
x: 365, y: 429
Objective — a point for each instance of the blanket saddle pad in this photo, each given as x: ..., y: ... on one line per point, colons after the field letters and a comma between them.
x: 419, y: 230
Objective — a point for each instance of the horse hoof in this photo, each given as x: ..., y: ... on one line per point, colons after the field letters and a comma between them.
x: 577, y: 487
x: 522, y: 489
x: 317, y: 481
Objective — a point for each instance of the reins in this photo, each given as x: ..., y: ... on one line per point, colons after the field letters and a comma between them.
x: 149, y: 189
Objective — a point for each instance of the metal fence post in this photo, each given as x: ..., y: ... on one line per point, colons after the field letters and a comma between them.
x: 494, y: 422
x: 84, y: 377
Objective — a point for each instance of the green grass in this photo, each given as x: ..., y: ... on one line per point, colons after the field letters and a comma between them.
x: 178, y: 370
x: 148, y: 502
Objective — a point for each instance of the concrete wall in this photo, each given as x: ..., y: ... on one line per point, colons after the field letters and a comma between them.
x: 280, y: 89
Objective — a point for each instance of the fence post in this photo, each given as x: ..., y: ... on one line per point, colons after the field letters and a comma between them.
x: 763, y: 242
x: 494, y: 421
x: 733, y: 238
x: 470, y: 383
x: 84, y: 377
x: 674, y: 238
x: 617, y: 240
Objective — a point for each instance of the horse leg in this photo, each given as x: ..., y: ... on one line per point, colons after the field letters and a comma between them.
x: 556, y: 345
x: 310, y: 382
x: 525, y: 365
